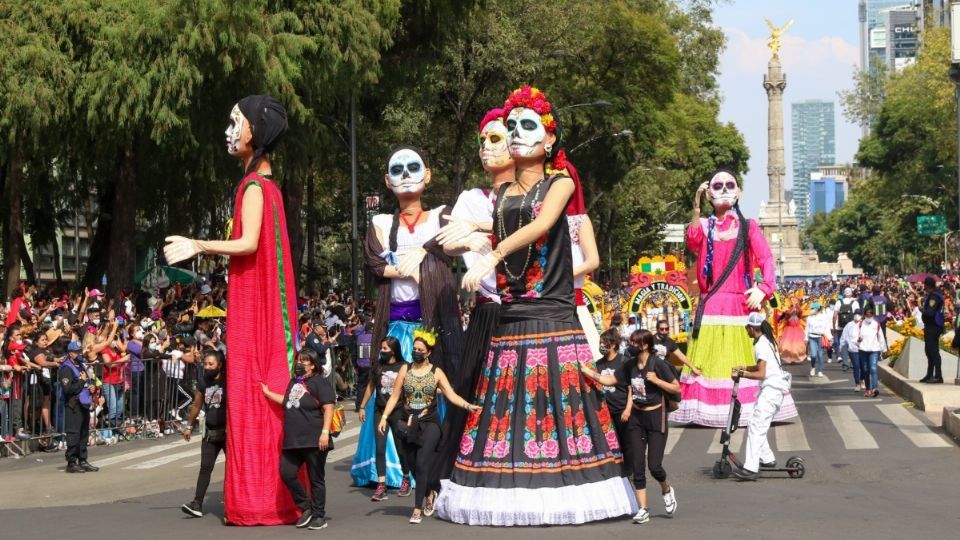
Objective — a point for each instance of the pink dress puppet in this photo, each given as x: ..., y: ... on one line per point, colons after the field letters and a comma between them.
x: 726, y: 257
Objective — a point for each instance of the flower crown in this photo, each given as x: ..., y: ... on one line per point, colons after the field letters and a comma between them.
x: 528, y: 97
x: 425, y: 335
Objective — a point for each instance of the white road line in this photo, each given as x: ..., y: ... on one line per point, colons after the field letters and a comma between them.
x: 163, y: 460
x: 791, y: 437
x: 851, y: 430
x: 220, y: 459
x: 911, y: 426
x: 673, y: 435
x: 832, y: 401
x: 735, y: 441
x: 342, y: 453
x: 137, y: 454
x: 348, y: 434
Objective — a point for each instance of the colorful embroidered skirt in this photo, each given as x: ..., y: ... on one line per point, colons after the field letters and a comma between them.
x: 706, y: 399
x: 543, y: 451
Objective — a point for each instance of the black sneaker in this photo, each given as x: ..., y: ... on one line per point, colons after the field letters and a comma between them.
x: 935, y: 380
x: 925, y: 379
x: 305, y: 518
x: 74, y: 468
x: 317, y: 523
x: 192, y: 509
x: 744, y: 475
x: 88, y: 467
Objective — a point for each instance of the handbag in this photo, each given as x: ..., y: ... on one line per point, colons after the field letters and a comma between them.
x: 339, y: 416
x: 825, y: 341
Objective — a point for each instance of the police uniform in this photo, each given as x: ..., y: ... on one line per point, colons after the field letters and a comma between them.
x: 932, y: 316
x: 77, y: 398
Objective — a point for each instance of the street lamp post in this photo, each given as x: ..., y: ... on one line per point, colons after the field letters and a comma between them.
x: 354, y: 275
x: 955, y: 76
x: 621, y: 133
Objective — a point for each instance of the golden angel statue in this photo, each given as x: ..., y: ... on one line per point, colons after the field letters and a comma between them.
x: 774, y: 42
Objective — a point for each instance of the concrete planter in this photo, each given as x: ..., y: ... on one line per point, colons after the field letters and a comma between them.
x: 912, y: 363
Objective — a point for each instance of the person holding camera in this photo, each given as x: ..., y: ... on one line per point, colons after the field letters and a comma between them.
x: 77, y: 390
x: 210, y: 396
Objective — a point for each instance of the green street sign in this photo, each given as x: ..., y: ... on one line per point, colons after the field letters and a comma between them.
x: 931, y: 225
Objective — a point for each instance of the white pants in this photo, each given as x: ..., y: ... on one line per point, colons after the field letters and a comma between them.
x: 758, y: 448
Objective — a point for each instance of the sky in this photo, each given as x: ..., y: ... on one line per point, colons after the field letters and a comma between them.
x: 818, y: 55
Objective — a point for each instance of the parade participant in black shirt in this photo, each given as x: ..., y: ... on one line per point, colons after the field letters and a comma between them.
x: 211, y: 396
x: 77, y: 386
x: 383, y: 375
x: 307, y: 414
x: 616, y: 395
x: 649, y: 380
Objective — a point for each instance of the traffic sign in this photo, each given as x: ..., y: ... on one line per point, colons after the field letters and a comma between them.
x: 931, y: 225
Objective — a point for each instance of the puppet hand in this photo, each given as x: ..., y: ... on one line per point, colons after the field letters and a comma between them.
x: 754, y: 297
x: 409, y: 262
x: 179, y: 249
x: 481, y: 269
x: 478, y: 243
x: 455, y: 232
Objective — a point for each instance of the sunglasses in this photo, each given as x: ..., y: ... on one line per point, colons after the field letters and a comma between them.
x: 731, y: 185
x: 663, y: 329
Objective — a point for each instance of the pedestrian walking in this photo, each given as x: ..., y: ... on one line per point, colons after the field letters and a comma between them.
x: 843, y: 313
x: 210, y: 396
x: 872, y: 343
x: 818, y: 326
x: 615, y: 395
x: 308, y: 406
x: 850, y: 351
x: 932, y: 313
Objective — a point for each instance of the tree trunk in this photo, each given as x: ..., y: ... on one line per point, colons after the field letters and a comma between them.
x: 122, y: 265
x: 27, y: 262
x: 100, y: 247
x: 13, y: 230
x: 57, y: 270
x: 293, y: 204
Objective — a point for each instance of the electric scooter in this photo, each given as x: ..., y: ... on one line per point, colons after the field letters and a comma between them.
x: 723, y: 468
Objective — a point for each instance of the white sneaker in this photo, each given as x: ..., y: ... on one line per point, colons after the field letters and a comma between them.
x: 813, y: 372
x: 829, y: 360
x: 857, y: 388
x: 642, y: 516
x: 819, y: 374
x: 670, y: 501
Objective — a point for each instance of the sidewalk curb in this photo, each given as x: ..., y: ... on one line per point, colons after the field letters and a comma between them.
x: 951, y: 423
x: 928, y: 398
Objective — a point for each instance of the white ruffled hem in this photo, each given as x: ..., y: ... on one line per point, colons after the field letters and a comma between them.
x: 567, y: 505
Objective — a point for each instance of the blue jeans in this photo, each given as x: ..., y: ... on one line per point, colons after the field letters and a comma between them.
x: 114, y: 395
x: 868, y: 368
x: 815, y: 351
x: 852, y: 359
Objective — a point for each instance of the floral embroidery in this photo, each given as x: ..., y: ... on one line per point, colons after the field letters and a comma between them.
x: 466, y: 444
x: 612, y: 441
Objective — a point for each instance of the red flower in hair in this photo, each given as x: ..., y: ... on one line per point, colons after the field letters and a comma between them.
x: 528, y: 97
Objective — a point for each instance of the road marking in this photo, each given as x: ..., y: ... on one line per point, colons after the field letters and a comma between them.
x: 673, y: 435
x: 851, y: 430
x: 911, y: 426
x: 735, y: 441
x: 791, y: 437
x: 145, y: 452
x: 163, y: 460
x: 342, y: 453
x: 348, y: 433
x: 220, y: 459
x: 832, y: 401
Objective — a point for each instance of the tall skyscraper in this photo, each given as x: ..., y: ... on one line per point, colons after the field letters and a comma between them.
x: 813, y: 145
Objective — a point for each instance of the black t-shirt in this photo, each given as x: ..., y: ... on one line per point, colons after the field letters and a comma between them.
x: 664, y: 346
x: 615, y: 396
x: 214, y: 402
x: 645, y: 393
x: 303, y: 412
x: 384, y: 387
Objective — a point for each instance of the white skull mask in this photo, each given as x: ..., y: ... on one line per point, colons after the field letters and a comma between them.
x: 406, y: 171
x: 526, y: 132
x: 494, y: 150
x: 724, y: 191
x: 233, y: 130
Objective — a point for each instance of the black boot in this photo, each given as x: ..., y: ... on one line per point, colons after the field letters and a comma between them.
x: 74, y: 468
x: 87, y: 467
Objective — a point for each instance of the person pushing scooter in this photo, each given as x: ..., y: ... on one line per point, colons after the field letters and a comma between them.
x: 775, y: 382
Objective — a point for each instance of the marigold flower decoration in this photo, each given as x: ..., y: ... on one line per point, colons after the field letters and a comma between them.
x: 426, y: 335
x: 528, y: 97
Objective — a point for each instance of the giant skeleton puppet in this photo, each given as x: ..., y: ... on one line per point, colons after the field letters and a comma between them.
x: 261, y: 325
x: 728, y: 248
x: 415, y: 288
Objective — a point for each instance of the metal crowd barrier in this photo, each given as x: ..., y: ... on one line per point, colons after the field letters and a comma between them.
x: 148, y: 403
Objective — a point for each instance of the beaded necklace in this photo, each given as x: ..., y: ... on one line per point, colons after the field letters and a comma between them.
x: 520, y: 224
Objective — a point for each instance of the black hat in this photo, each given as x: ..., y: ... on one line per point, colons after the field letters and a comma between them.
x: 929, y: 282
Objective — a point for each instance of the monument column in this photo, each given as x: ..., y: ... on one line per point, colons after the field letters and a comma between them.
x: 774, y: 82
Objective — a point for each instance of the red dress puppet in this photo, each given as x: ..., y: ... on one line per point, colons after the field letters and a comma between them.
x: 261, y: 328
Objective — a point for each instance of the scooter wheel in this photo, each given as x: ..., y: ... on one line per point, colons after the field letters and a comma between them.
x: 795, y: 468
x: 722, y: 469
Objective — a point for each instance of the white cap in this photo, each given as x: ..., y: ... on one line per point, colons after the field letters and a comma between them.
x: 755, y: 319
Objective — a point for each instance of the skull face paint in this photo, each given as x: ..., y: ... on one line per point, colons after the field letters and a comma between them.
x: 494, y: 150
x: 526, y: 132
x: 406, y: 172
x: 724, y: 191
x: 234, y: 130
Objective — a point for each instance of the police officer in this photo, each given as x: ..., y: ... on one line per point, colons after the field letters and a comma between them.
x: 932, y: 314
x: 77, y: 388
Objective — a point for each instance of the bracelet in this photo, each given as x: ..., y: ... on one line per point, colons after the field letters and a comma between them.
x: 325, y: 432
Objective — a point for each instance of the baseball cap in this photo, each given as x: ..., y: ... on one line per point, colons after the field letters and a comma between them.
x: 848, y: 292
x: 755, y: 319
x: 74, y: 346
x: 96, y: 292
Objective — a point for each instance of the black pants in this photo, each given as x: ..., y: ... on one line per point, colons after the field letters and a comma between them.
x: 77, y: 427
x: 421, y: 458
x: 290, y: 462
x: 931, y: 346
x: 648, y: 440
x: 397, y: 427
x: 623, y: 435
x: 209, y: 452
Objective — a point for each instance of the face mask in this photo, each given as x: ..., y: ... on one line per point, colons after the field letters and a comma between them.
x: 154, y: 347
x: 299, y: 370
x: 47, y: 320
x: 145, y: 324
x: 211, y: 374
x: 419, y: 356
x: 633, y: 351
x: 406, y: 171
x: 95, y: 322
x: 233, y: 130
x: 604, y: 350
x: 138, y: 334
x: 526, y: 132
x: 385, y: 357
x: 857, y: 318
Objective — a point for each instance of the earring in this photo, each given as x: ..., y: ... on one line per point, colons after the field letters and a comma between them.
x: 548, y: 148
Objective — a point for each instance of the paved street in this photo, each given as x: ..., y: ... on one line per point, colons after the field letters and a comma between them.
x: 875, y: 469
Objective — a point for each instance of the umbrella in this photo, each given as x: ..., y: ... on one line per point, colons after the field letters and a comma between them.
x: 919, y: 278
x: 211, y: 312
x: 161, y: 277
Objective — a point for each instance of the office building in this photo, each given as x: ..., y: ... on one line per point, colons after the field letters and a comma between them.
x: 813, y: 145
x: 828, y: 189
